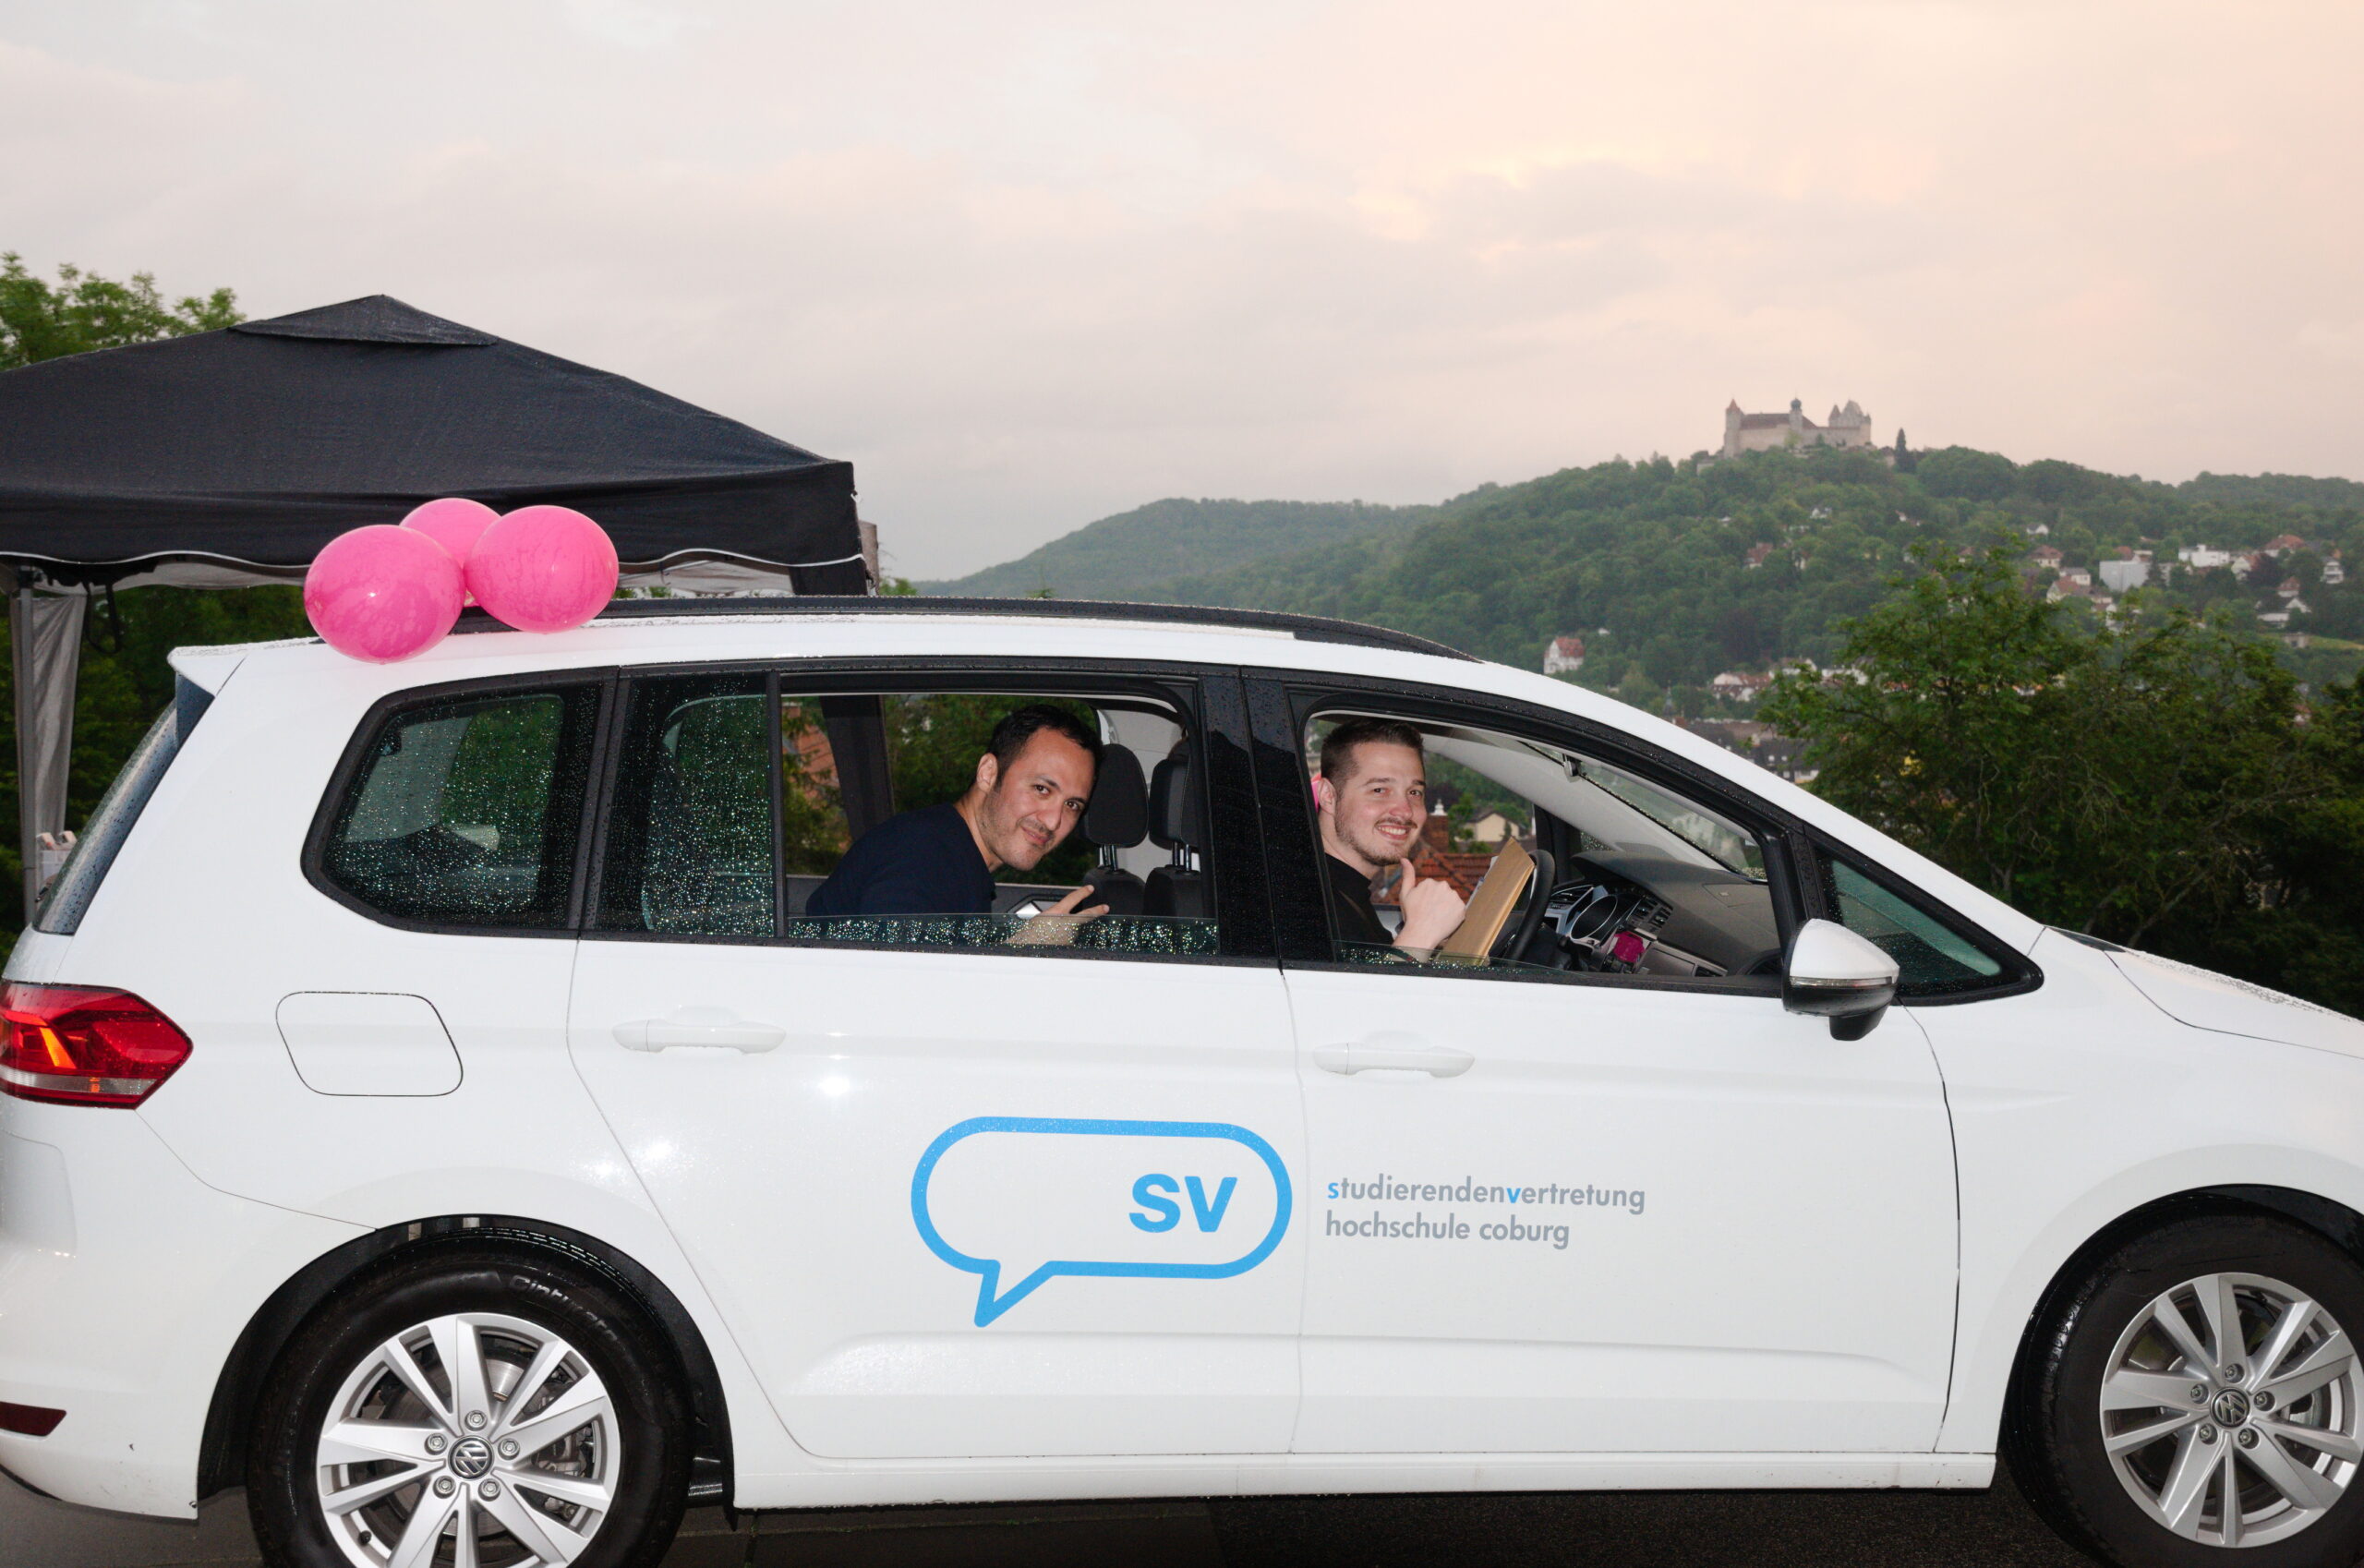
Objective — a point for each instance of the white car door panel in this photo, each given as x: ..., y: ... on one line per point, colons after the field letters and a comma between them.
x: 1638, y: 1220
x: 1004, y: 1302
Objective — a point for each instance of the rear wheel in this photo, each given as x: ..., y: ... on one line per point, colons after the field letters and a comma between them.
x: 482, y: 1407
x: 2198, y: 1399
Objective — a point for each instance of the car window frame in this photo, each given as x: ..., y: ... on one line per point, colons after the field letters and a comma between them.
x: 1207, y: 697
x: 355, y: 760
x: 1284, y: 701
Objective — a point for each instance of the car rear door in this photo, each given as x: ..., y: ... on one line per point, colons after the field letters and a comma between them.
x: 955, y: 1198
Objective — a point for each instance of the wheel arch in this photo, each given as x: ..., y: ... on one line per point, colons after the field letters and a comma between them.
x: 222, y: 1452
x: 2327, y: 1217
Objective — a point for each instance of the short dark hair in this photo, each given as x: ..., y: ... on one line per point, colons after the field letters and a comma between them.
x: 1338, y: 746
x: 1021, y: 725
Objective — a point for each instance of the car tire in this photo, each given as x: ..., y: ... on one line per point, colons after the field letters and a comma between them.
x: 368, y: 1452
x: 2131, y: 1393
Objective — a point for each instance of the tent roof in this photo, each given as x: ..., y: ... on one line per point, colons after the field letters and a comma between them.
x: 258, y: 444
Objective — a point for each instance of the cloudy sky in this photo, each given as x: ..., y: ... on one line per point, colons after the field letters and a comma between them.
x: 1033, y: 262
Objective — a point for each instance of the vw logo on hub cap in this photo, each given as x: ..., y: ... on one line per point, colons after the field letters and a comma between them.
x: 2232, y: 1407
x: 472, y: 1457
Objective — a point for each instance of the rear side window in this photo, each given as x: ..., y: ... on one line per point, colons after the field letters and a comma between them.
x: 466, y: 811
x: 690, y: 845
x: 69, y: 895
x: 1930, y: 958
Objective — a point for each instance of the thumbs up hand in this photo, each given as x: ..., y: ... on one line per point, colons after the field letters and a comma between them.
x: 1432, y: 910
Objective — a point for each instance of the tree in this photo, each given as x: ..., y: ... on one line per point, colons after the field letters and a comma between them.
x: 2122, y: 782
x: 84, y: 311
x: 1963, y: 473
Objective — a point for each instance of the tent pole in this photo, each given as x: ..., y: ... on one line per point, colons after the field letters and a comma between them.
x: 45, y: 647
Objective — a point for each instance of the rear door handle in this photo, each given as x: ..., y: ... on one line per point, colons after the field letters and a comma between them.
x: 1397, y: 1054
x: 710, y: 1027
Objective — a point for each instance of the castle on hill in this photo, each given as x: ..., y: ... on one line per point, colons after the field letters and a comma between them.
x: 1848, y: 427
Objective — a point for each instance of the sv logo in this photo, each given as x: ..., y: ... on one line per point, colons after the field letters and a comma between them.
x: 1154, y: 1193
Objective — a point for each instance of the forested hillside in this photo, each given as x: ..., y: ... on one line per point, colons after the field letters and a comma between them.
x: 1118, y: 557
x: 1649, y: 562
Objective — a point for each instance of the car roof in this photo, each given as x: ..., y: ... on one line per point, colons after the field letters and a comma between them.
x: 1306, y: 628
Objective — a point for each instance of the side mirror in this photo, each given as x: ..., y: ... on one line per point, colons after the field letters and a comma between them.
x: 1834, y: 973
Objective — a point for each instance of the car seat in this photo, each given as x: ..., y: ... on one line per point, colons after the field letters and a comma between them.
x: 1179, y: 890
x: 1116, y: 818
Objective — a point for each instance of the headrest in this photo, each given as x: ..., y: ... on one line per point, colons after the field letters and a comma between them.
x: 1118, y: 812
x: 1174, y: 801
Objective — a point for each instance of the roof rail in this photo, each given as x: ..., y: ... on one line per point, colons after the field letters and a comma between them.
x: 1306, y: 628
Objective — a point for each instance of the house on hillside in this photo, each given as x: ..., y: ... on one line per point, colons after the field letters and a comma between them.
x: 1563, y: 656
x: 2044, y: 557
x: 2204, y: 557
x: 1743, y: 686
x: 1849, y: 427
x: 1492, y: 828
x: 2121, y: 576
x: 2281, y: 545
x: 2333, y: 572
x: 1759, y: 554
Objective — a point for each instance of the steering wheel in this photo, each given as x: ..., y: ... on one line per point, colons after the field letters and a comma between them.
x: 1539, y: 895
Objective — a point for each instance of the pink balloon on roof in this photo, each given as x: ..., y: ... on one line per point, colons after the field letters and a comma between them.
x: 453, y: 522
x: 543, y: 568
x: 382, y: 593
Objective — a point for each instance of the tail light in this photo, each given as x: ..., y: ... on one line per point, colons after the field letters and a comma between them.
x: 84, y: 1045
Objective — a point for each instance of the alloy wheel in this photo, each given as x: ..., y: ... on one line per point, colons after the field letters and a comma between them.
x: 2230, y: 1410
x: 469, y: 1441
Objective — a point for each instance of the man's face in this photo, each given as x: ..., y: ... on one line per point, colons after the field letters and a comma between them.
x: 1027, y: 810
x: 1377, y: 809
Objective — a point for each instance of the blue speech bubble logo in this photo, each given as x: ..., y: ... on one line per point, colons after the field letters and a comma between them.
x: 1150, y: 1200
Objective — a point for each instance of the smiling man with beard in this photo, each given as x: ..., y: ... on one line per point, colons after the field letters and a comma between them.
x: 1373, y: 797
x: 1028, y: 794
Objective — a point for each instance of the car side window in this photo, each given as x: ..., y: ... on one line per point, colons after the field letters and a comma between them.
x: 690, y: 831
x: 1557, y: 861
x: 1932, y: 959
x: 737, y: 799
x: 466, y: 810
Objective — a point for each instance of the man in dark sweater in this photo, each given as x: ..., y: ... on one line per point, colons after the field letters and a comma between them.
x: 1373, y: 797
x: 1028, y: 794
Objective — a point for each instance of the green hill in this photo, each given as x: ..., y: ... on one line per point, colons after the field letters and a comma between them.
x: 1119, y: 557
x: 1648, y: 561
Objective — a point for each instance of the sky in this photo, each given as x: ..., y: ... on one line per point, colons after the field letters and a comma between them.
x: 1030, y: 263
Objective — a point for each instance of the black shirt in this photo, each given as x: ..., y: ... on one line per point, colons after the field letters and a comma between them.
x: 1350, y: 909
x: 920, y: 861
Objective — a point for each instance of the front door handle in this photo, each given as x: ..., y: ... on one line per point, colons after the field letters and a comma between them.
x: 708, y: 1026
x: 1395, y: 1053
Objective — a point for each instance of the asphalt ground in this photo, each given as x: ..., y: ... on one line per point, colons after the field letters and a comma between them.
x: 1710, y: 1529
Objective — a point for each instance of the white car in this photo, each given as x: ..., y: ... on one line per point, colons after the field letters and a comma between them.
x: 430, y: 1106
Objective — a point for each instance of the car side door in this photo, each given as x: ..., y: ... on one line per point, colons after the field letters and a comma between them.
x: 958, y: 1197
x: 1580, y: 1211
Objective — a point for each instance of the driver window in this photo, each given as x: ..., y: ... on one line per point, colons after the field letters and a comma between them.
x: 1452, y: 846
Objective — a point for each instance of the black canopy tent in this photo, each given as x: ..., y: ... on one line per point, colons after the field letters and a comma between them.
x: 229, y: 458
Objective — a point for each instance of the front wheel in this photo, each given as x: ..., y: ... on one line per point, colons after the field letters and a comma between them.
x: 2197, y: 1399
x: 481, y: 1406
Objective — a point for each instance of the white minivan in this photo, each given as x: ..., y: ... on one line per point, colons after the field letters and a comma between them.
x: 430, y: 1106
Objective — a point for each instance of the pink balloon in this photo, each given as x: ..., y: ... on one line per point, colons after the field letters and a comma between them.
x: 543, y: 568
x: 453, y: 522
x: 382, y: 593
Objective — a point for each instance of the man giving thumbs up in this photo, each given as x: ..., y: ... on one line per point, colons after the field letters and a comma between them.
x: 1373, y: 798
